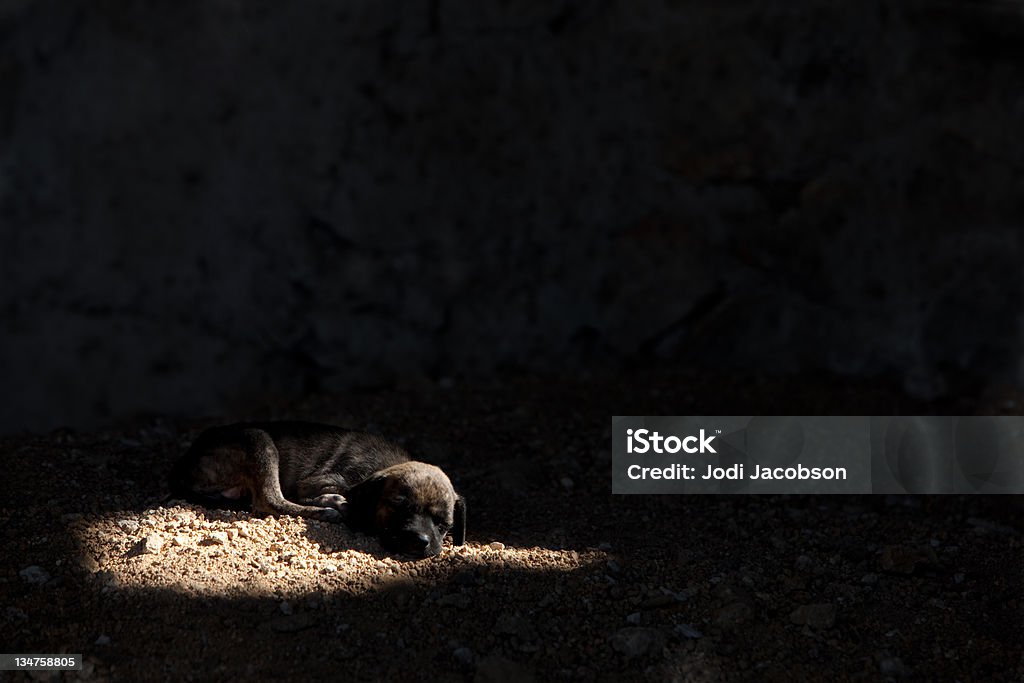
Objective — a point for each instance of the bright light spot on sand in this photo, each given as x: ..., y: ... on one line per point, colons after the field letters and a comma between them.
x: 196, y: 551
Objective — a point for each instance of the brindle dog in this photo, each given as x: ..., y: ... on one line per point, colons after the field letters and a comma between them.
x: 327, y: 473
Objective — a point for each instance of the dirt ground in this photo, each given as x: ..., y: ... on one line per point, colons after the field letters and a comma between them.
x: 559, y: 580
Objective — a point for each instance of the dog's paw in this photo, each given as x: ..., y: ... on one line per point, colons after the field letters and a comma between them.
x: 330, y: 515
x: 332, y: 500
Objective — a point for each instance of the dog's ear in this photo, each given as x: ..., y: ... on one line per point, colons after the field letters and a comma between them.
x: 459, y: 526
x: 363, y: 499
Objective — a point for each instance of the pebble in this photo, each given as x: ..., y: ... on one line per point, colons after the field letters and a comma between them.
x: 104, y: 639
x: 152, y: 544
x: 635, y: 641
x: 286, y: 607
x: 463, y: 655
x: 88, y: 563
x: 496, y: 545
x: 687, y: 631
x: 215, y: 538
x: 904, y: 560
x: 734, y: 614
x: 129, y: 525
x: 633, y: 618
x: 820, y: 615
x: 108, y: 579
x: 892, y: 666
x: 34, y: 574
x: 567, y: 483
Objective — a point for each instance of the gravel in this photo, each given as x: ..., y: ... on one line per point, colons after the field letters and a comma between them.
x: 553, y: 584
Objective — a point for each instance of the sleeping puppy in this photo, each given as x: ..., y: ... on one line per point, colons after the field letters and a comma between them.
x: 327, y: 473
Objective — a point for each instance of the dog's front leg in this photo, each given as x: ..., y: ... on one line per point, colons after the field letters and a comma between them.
x: 325, y: 490
x: 267, y: 496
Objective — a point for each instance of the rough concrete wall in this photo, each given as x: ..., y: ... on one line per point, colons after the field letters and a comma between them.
x: 205, y: 202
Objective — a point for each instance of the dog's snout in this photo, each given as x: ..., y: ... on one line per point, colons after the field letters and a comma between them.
x: 419, y: 540
x: 413, y: 542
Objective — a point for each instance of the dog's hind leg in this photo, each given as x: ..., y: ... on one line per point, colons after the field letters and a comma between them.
x: 267, y: 496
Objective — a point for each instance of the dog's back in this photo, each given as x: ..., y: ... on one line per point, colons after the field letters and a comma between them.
x: 306, y: 450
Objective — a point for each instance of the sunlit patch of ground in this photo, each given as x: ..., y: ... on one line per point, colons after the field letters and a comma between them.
x: 197, y: 551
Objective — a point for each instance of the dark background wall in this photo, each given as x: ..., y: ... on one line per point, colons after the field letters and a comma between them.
x: 203, y: 204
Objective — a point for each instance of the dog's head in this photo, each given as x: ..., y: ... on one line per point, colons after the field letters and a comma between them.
x: 411, y: 507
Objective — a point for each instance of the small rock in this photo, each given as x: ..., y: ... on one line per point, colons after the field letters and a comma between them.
x: 904, y: 560
x: 286, y: 607
x: 633, y: 618
x: 687, y: 631
x: 129, y: 525
x: 567, y: 483
x: 734, y: 614
x: 892, y: 666
x: 180, y: 540
x: 88, y: 563
x: 463, y: 655
x: 496, y: 545
x: 635, y: 641
x: 329, y: 569
x: 103, y: 640
x: 869, y: 579
x: 108, y: 579
x: 215, y: 538
x: 34, y: 574
x: 152, y: 544
x: 821, y: 615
